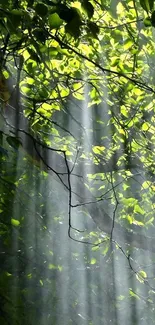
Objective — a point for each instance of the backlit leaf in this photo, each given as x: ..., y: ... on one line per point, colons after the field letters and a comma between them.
x: 93, y: 261
x: 141, y: 276
x: 15, y: 222
x: 138, y: 209
x: 98, y: 149
x: 55, y: 21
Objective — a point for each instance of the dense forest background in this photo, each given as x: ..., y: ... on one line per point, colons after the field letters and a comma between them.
x: 77, y: 162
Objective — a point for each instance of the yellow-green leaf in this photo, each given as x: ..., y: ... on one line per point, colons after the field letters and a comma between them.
x: 141, y: 276
x: 15, y: 222
x: 55, y: 21
x: 98, y: 149
x: 93, y: 261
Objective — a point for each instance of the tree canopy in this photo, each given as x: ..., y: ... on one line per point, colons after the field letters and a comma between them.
x: 77, y: 158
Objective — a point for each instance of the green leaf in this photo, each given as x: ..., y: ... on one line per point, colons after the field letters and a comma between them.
x: 149, y: 222
x: 138, y: 209
x: 41, y: 9
x: 93, y: 29
x: 88, y: 8
x: 66, y: 13
x: 14, y: 19
x: 29, y: 276
x: 129, y: 202
x: 41, y: 282
x: 132, y: 294
x: 147, y: 22
x: 53, y: 51
x: 17, y: 12
x: 55, y: 21
x: 145, y: 4
x: 8, y: 274
x: 98, y: 149
x: 33, y: 55
x: 146, y: 185
x: 153, y: 19
x: 52, y: 266
x: 141, y: 276
x: 145, y: 126
x: 73, y: 27
x: 39, y: 35
x: 128, y: 43
x: 60, y: 268
x: 43, y: 93
x: 95, y: 248
x: 15, y: 222
x: 93, y: 261
x: 151, y: 4
x: 14, y: 142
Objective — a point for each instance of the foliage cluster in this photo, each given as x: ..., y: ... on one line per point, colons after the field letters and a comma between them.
x: 77, y: 95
